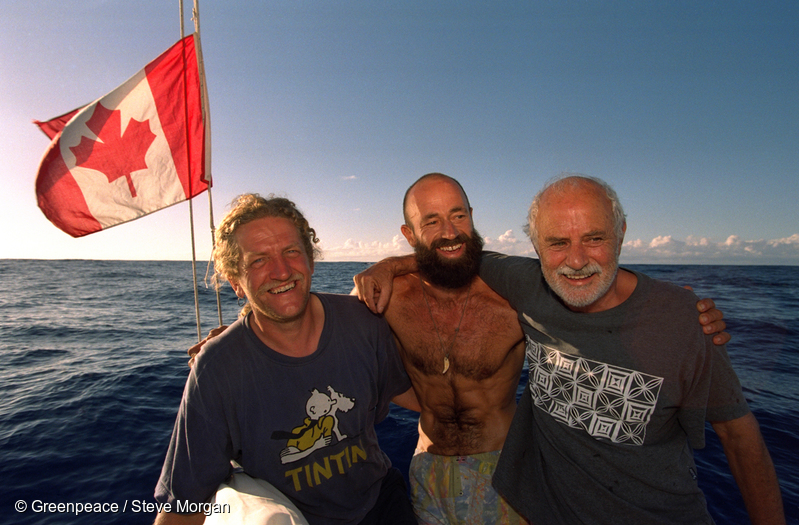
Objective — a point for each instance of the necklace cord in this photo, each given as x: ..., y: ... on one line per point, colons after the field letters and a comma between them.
x: 435, y: 326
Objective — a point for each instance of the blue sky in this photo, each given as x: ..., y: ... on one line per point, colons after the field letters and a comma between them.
x: 689, y: 109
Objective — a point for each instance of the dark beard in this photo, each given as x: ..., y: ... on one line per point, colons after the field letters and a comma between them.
x: 450, y: 274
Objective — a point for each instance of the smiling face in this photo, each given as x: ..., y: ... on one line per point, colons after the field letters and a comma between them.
x: 578, y: 246
x: 274, y: 271
x: 439, y: 228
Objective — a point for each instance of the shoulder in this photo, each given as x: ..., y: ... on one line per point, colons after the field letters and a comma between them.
x: 406, y: 290
x: 495, y: 264
x: 407, y: 282
x: 663, y: 287
x: 485, y: 296
x: 342, y: 304
x: 406, y: 304
x: 497, y: 259
x: 227, y: 346
x: 337, y: 299
x: 348, y: 311
x: 666, y: 295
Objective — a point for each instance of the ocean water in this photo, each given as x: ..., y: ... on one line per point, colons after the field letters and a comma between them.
x: 93, y: 362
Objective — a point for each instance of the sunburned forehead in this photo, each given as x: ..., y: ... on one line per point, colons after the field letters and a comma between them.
x: 267, y: 234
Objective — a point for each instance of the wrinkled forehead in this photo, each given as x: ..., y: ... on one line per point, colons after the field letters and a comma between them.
x: 267, y: 234
x: 583, y: 206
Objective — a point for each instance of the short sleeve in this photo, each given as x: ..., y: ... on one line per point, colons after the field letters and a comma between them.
x: 517, y: 279
x: 726, y: 400
x: 200, y: 449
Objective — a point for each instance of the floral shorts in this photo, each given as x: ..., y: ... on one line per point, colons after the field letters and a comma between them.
x: 457, y: 489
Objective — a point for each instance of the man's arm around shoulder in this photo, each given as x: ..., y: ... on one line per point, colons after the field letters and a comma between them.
x: 752, y: 468
x: 373, y: 285
x: 171, y: 518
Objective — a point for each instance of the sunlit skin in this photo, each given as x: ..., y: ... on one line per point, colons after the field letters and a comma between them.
x: 275, y: 277
x: 437, y: 209
x: 575, y: 236
x: 579, y: 249
x: 468, y: 409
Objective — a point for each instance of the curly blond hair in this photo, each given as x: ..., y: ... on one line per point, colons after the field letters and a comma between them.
x: 245, y: 209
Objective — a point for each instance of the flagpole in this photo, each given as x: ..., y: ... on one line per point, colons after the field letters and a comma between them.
x: 191, y: 227
x: 207, y: 120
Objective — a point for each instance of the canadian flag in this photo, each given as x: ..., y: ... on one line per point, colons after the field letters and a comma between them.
x: 138, y: 149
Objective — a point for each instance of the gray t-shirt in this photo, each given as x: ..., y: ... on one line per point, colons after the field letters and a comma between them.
x: 614, y: 402
x: 305, y: 425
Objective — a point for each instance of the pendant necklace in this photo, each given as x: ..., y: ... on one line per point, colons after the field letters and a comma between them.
x: 457, y: 329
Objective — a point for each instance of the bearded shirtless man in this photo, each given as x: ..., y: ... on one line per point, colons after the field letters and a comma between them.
x: 463, y: 349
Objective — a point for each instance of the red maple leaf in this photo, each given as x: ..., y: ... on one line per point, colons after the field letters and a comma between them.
x: 115, y: 155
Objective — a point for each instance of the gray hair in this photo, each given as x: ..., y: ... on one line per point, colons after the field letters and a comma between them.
x: 566, y: 181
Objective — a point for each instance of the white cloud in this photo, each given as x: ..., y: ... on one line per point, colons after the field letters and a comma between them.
x: 507, y: 237
x: 370, y: 251
x: 733, y: 250
x: 663, y: 249
x: 661, y: 242
x: 793, y: 240
x: 354, y: 250
x: 349, y: 177
x: 732, y: 240
x: 508, y: 243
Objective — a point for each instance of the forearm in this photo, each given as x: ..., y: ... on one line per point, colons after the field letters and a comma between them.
x: 753, y: 469
x: 373, y: 285
x: 400, y: 264
x: 408, y: 400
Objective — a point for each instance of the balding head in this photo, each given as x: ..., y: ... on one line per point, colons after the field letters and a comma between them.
x: 572, y: 182
x: 422, y: 184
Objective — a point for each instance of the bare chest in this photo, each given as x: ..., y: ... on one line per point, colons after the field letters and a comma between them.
x: 446, y: 338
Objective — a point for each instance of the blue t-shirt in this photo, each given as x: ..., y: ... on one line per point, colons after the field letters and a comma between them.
x: 305, y: 425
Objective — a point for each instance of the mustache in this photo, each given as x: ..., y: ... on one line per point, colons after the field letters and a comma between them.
x: 266, y: 288
x: 445, y: 243
x: 586, y: 271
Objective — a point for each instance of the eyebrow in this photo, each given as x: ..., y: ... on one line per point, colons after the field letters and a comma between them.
x: 289, y: 246
x: 593, y: 233
x: 450, y: 211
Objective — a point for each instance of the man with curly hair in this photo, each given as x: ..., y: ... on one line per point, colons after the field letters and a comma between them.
x: 292, y: 390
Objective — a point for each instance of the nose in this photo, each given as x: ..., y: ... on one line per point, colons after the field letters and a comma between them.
x: 577, y: 257
x: 280, y: 270
x: 449, y: 230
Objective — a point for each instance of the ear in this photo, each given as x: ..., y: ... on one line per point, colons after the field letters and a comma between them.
x: 234, y: 283
x: 623, y: 232
x: 409, y: 236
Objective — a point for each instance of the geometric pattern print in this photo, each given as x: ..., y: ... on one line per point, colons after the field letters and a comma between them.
x: 609, y: 402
